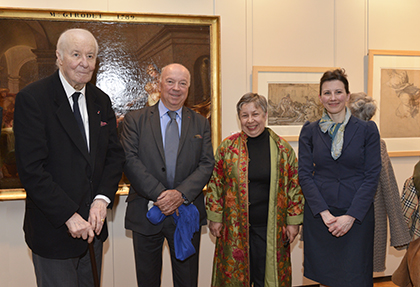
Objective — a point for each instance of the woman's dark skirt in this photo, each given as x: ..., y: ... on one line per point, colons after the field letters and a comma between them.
x: 345, y: 261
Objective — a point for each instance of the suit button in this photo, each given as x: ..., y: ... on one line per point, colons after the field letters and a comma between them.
x: 87, y: 204
x: 163, y: 169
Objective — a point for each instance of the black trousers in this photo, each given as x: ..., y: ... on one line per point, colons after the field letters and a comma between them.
x: 148, y: 257
x: 257, y: 248
x: 67, y: 272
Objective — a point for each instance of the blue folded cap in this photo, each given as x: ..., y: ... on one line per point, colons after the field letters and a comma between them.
x: 187, y: 223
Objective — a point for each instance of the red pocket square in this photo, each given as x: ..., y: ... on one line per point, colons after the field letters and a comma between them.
x: 103, y: 124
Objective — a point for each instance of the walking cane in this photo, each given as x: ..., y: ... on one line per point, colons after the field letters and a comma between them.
x: 93, y: 263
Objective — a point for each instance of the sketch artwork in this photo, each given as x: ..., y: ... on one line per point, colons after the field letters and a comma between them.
x: 293, y: 104
x: 399, y: 103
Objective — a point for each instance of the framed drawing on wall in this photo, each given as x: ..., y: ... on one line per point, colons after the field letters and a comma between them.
x: 133, y: 48
x: 292, y: 94
x: 394, y: 83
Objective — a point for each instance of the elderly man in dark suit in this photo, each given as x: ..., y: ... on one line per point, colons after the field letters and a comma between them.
x: 164, y: 180
x: 70, y: 161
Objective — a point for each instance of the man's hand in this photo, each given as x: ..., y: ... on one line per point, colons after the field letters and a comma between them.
x: 215, y: 228
x: 169, y: 200
x: 78, y: 227
x: 97, y: 214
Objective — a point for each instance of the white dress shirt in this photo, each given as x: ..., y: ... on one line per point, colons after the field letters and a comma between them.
x: 83, y: 111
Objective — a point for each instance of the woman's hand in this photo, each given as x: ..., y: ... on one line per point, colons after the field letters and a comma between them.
x: 342, y: 225
x: 328, y: 218
x: 215, y: 228
x: 292, y: 231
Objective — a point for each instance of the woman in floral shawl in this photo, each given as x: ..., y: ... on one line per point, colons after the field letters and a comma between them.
x: 254, y: 202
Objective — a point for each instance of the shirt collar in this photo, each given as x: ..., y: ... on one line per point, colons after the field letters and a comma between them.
x: 68, y: 88
x: 163, y: 110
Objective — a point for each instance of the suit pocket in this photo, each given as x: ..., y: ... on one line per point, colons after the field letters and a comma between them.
x: 330, y: 191
x: 194, y: 149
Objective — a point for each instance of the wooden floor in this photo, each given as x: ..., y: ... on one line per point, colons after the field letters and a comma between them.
x: 384, y: 284
x: 381, y: 282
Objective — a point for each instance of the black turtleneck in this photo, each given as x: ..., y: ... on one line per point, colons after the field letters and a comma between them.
x: 259, y: 178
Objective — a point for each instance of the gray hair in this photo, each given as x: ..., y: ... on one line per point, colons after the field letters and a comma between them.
x: 258, y: 100
x: 362, y: 106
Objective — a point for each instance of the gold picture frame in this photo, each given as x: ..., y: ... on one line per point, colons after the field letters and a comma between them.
x: 130, y: 44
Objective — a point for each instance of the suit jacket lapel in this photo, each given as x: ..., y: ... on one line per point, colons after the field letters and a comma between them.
x: 350, y: 131
x: 66, y: 117
x: 326, y: 139
x: 156, y: 130
x: 186, y: 120
x: 94, y: 112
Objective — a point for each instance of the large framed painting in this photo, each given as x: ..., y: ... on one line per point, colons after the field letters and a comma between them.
x: 292, y: 94
x: 133, y: 48
x: 394, y: 83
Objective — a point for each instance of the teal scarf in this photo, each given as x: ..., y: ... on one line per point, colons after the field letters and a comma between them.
x: 335, y: 131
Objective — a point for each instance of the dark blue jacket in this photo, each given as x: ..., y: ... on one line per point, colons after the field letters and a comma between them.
x: 348, y: 183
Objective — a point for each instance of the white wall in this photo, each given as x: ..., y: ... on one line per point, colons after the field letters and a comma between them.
x: 253, y: 33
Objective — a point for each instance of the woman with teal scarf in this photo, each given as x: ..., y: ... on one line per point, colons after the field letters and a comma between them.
x: 339, y: 166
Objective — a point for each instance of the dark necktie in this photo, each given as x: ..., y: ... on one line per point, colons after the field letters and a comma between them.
x: 77, y: 115
x: 171, y: 148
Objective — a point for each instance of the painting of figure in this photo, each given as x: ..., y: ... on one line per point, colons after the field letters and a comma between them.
x: 399, y: 103
x: 129, y: 64
x: 293, y: 104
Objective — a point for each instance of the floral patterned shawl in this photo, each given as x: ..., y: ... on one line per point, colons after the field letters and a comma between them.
x: 227, y: 202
